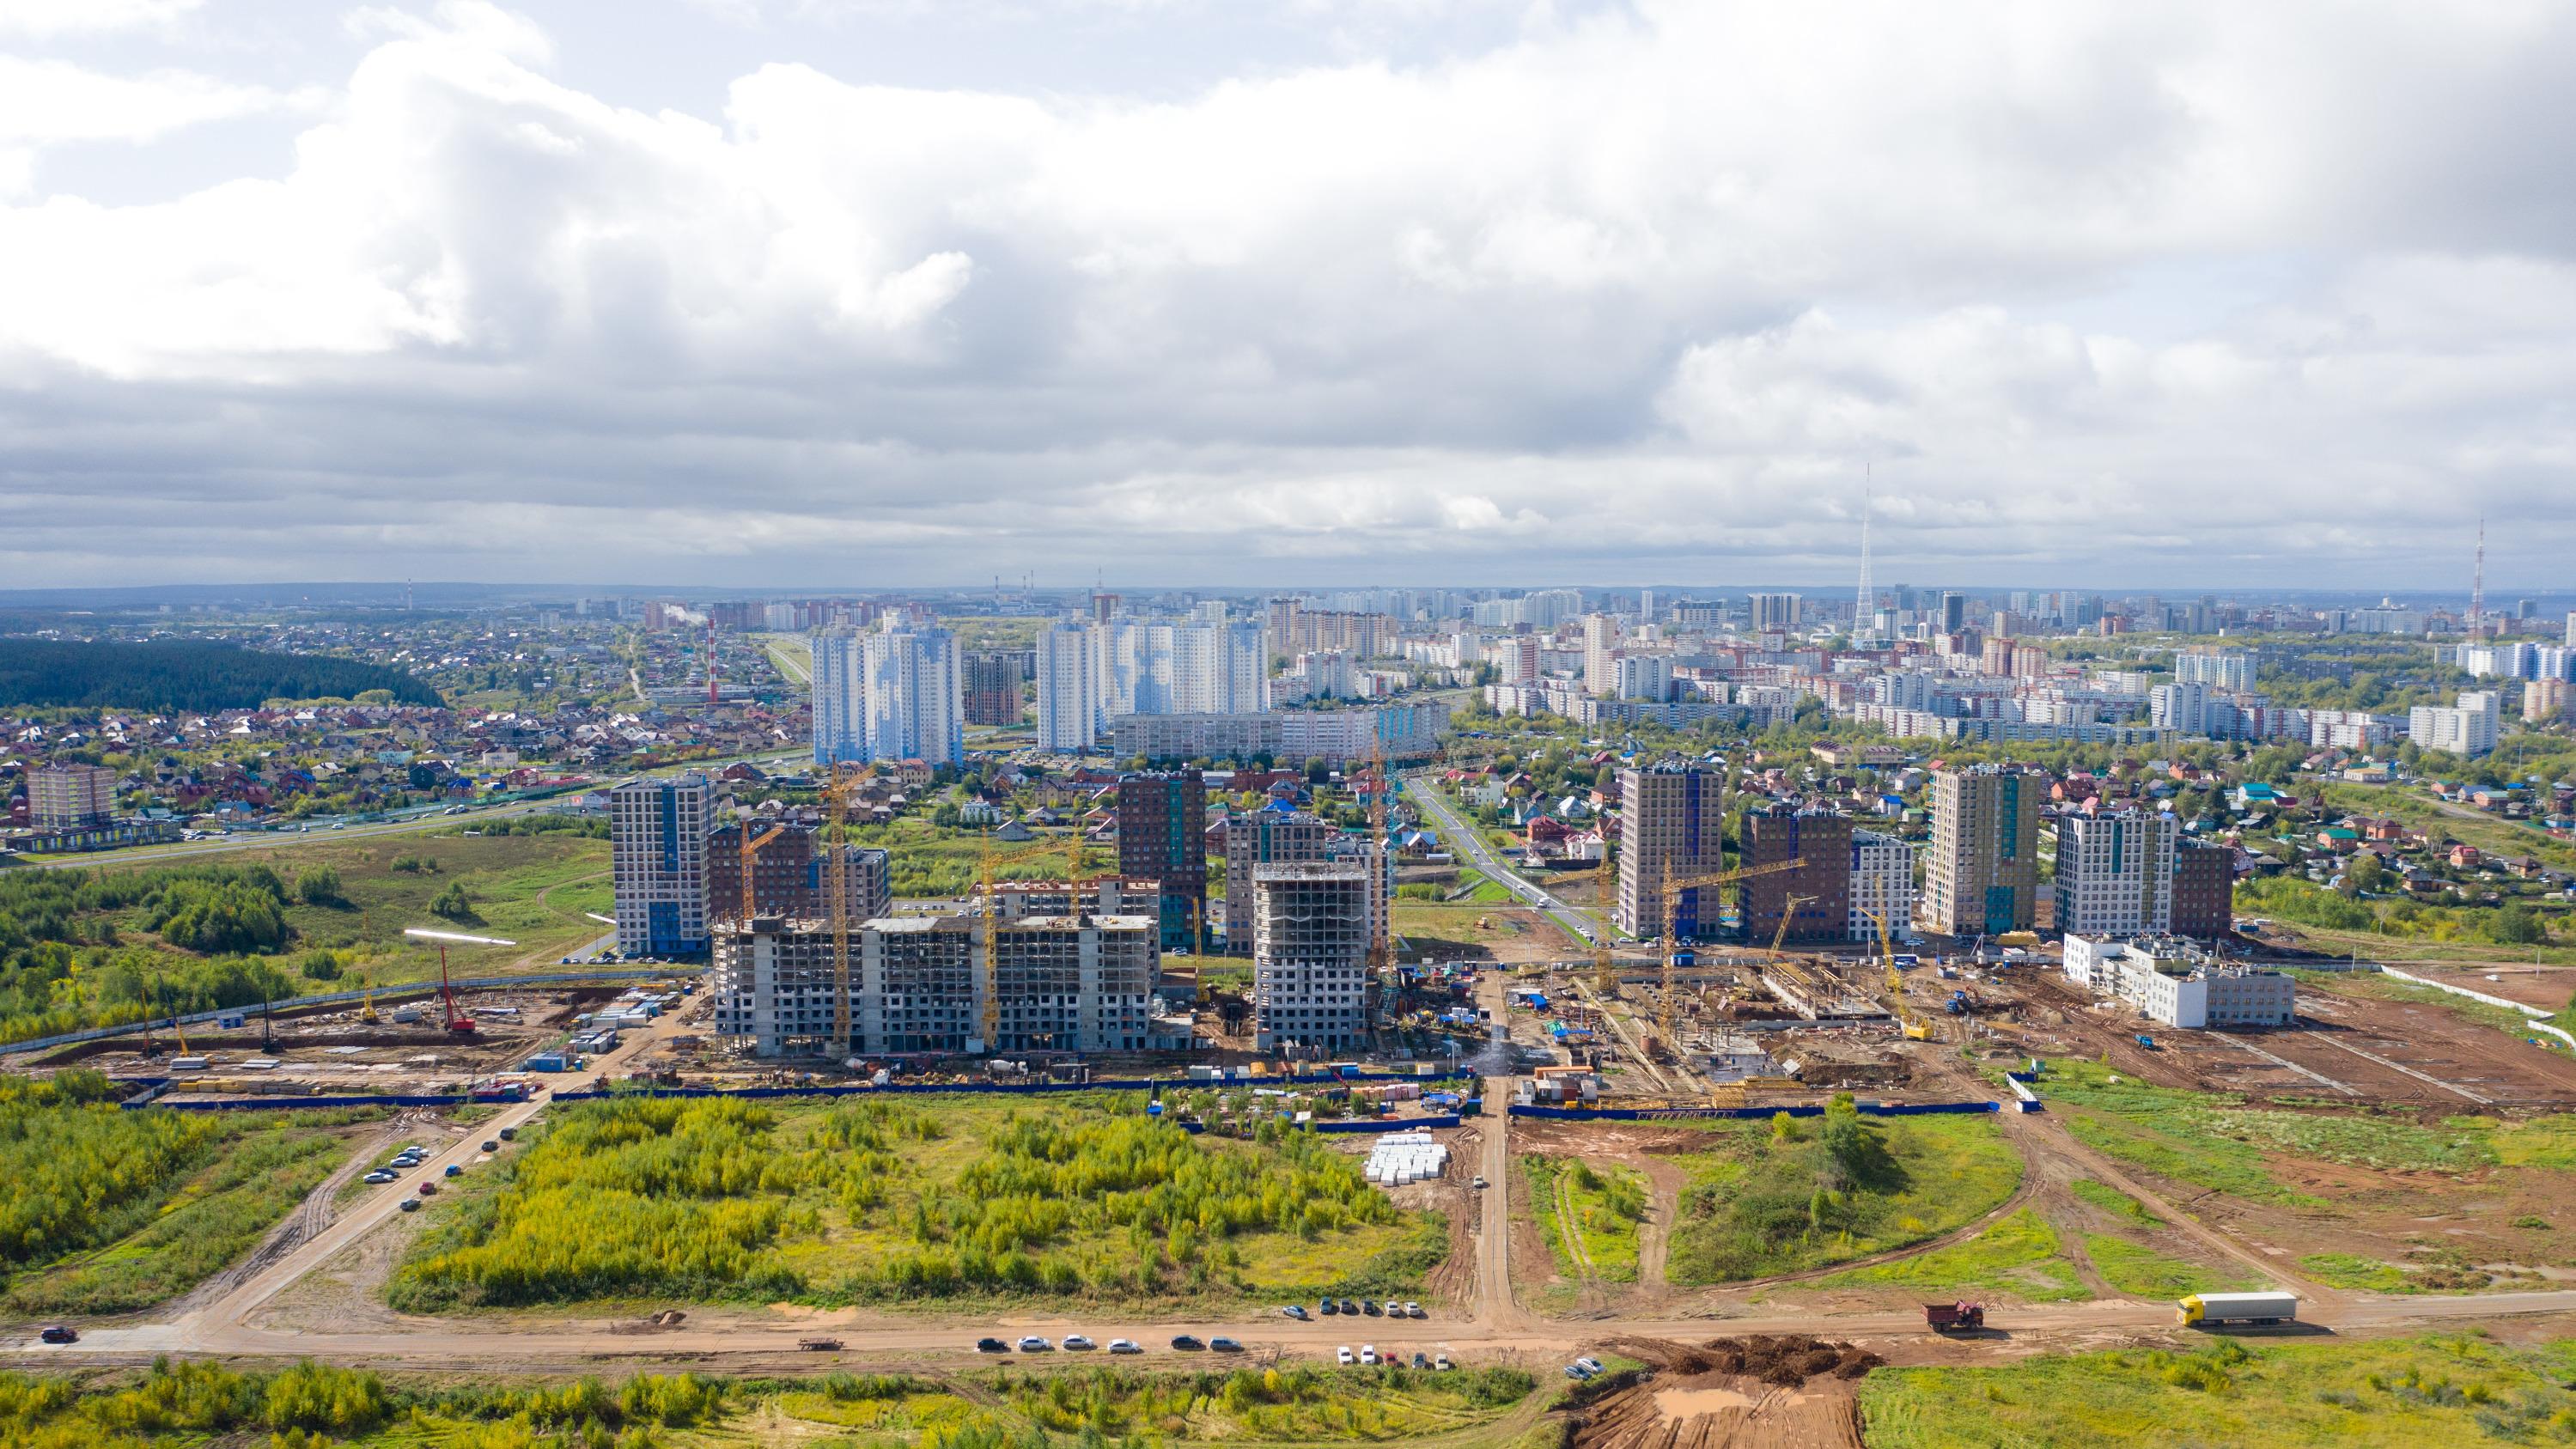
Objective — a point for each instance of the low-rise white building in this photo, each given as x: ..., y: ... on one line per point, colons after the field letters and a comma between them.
x: 2176, y: 982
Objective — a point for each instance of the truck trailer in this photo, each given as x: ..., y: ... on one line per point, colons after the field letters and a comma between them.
x: 2211, y: 1309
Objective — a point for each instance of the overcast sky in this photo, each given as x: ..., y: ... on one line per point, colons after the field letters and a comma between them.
x: 860, y: 293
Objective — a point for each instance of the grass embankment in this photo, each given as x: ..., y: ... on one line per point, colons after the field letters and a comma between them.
x: 2396, y: 1392
x: 961, y: 1200
x: 2019, y: 1255
x: 308, y: 1407
x: 111, y: 1211
x: 1784, y: 1196
x: 123, y: 943
x: 1597, y: 1209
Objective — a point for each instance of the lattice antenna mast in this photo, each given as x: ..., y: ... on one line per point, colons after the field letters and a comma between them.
x: 1861, y: 603
x: 2478, y: 585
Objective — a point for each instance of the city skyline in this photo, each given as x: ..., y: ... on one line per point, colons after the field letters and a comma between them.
x: 787, y: 294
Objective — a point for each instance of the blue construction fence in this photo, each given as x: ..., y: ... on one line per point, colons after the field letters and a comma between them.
x: 289, y: 1104
x: 1121, y: 1084
x: 1655, y: 1114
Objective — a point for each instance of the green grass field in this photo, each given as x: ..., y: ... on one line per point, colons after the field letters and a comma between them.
x: 953, y: 1201
x: 2019, y: 1255
x: 1779, y: 1197
x: 309, y: 1407
x: 1602, y: 1204
x: 2392, y: 1393
x: 2142, y: 1272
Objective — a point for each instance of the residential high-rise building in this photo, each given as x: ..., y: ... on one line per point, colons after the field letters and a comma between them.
x: 2182, y: 706
x: 1643, y: 676
x: 1982, y: 874
x: 2204, y: 889
x: 1954, y: 612
x: 1310, y: 943
x: 2570, y: 640
x: 1600, y: 654
x: 791, y: 874
x: 1070, y: 711
x: 1820, y: 886
x: 2115, y: 873
x: 657, y: 855
x: 2467, y: 729
x: 1162, y: 835
x: 1773, y: 613
x: 2545, y: 700
x: 70, y: 797
x: 1672, y: 825
x: 2224, y: 670
x: 1257, y: 838
x: 992, y: 689
x: 887, y: 694
x: 1882, y: 883
x: 1075, y: 983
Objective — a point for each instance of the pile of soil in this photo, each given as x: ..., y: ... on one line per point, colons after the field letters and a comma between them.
x: 1787, y: 1361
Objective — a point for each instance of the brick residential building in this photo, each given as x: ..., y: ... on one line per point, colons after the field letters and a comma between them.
x: 1162, y: 835
x: 788, y: 875
x: 992, y: 688
x: 1821, y: 839
x: 2204, y: 890
x: 1672, y: 820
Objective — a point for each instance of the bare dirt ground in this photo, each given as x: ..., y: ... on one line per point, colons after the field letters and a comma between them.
x: 1758, y: 1390
x: 2550, y: 988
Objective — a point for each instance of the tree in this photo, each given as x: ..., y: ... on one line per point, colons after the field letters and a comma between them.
x: 319, y: 886
x: 2516, y: 925
x: 454, y: 904
x: 1317, y: 772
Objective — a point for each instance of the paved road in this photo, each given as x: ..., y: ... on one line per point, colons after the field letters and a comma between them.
x: 1469, y: 843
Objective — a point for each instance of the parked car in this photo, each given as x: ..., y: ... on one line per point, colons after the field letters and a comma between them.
x: 411, y: 1204
x: 427, y: 1188
x: 1577, y: 1371
x: 454, y: 1171
x: 1076, y: 1343
x: 1368, y: 1353
x: 509, y: 1133
x: 492, y: 1145
x: 1035, y: 1344
x: 1588, y: 1364
x: 1414, y: 1310
x: 1440, y: 1360
x: 1479, y: 1184
x: 1125, y: 1345
x: 1184, y: 1342
x: 1350, y: 1308
x: 1330, y: 1307
x: 1296, y: 1311
x: 1395, y: 1309
x: 1420, y: 1360
x: 380, y: 1175
x: 991, y: 1345
x: 1344, y: 1354
x: 1369, y: 1307
x: 58, y: 1333
x: 1224, y: 1345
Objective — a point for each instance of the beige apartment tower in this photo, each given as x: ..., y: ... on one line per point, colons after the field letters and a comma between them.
x: 1982, y: 873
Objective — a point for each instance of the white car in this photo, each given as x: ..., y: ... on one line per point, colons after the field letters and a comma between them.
x: 1344, y: 1354
x: 1125, y: 1345
x: 1076, y: 1343
x: 1035, y: 1344
x: 1368, y: 1353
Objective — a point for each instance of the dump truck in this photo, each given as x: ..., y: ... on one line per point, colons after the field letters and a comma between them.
x: 1960, y: 1317
x: 2208, y: 1310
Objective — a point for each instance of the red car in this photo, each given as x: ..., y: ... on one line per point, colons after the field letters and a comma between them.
x: 428, y: 1188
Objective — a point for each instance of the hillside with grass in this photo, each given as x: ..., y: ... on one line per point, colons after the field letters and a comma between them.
x: 1786, y: 1195
x: 117, y: 944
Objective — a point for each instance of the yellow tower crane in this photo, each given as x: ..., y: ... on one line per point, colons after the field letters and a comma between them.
x: 750, y: 859
x: 991, y: 976
x: 1916, y: 1028
x: 838, y: 790
x: 1673, y: 886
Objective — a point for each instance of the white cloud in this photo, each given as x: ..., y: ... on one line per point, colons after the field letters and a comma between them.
x: 49, y: 101
x: 1635, y: 288
x: 45, y: 19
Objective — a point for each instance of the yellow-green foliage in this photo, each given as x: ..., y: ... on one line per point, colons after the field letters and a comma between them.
x: 80, y: 1171
x: 2368, y: 1394
x: 1782, y: 1196
x: 1608, y: 1204
x: 2142, y: 1272
x: 721, y: 1198
x: 2018, y: 1255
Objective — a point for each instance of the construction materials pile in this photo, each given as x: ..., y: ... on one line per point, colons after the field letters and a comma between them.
x: 1402, y: 1157
x: 1786, y: 1361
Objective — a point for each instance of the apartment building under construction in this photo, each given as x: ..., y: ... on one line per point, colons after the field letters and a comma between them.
x: 1074, y: 983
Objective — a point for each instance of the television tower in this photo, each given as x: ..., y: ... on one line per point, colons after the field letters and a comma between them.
x: 2478, y: 585
x: 1862, y: 602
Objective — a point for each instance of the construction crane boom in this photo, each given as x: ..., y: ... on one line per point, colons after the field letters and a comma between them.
x: 1915, y: 1027
x: 837, y: 792
x: 991, y: 975
x: 750, y: 859
x: 1673, y: 886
